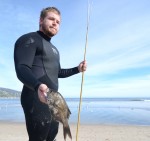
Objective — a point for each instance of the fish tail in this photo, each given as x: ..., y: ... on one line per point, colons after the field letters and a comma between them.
x: 66, y: 131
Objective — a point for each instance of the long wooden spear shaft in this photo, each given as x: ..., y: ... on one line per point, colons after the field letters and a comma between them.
x: 86, y: 43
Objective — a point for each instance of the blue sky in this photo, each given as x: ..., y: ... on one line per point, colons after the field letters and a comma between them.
x: 118, y: 53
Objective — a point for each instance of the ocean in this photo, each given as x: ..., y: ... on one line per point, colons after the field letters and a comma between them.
x: 110, y: 111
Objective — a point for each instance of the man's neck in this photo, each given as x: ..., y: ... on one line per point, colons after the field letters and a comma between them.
x: 44, y: 35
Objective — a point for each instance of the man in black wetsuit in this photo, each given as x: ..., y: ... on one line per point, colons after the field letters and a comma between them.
x: 38, y: 67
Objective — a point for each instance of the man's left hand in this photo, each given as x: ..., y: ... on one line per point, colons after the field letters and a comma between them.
x: 82, y: 66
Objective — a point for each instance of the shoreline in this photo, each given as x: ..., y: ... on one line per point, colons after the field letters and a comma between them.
x: 89, y: 124
x: 16, y: 131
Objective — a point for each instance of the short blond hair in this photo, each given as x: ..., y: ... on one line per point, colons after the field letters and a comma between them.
x: 48, y: 9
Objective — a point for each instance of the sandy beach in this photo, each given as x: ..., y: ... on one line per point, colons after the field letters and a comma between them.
x: 10, y: 131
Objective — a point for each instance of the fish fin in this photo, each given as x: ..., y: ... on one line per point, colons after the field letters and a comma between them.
x: 66, y: 131
x: 68, y: 113
x: 69, y: 110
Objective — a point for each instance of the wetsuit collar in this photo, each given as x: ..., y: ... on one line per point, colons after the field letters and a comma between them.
x: 44, y: 36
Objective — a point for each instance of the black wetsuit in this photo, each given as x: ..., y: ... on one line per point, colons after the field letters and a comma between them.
x: 36, y: 62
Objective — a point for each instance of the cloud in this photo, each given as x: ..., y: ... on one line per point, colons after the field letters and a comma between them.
x: 129, y: 60
x: 123, y: 47
x: 138, y: 86
x: 126, y: 87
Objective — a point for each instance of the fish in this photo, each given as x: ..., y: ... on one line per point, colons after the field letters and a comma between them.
x: 59, y: 110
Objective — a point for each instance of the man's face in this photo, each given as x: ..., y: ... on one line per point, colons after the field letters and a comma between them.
x: 50, y: 24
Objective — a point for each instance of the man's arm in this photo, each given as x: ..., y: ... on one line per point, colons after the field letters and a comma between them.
x: 24, y: 53
x: 63, y: 73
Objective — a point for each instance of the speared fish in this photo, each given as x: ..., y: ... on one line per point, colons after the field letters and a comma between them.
x: 59, y: 110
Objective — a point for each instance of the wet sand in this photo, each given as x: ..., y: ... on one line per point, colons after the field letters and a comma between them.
x: 10, y: 131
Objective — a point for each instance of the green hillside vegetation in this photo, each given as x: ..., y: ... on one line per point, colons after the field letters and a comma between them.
x: 4, y: 92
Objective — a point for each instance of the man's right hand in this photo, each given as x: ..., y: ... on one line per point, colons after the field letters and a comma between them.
x: 42, y: 91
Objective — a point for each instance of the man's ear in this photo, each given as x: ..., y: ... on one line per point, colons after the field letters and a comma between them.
x: 40, y: 21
